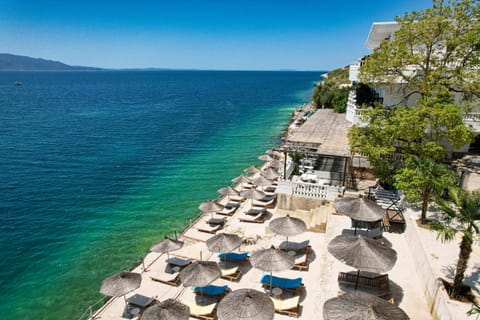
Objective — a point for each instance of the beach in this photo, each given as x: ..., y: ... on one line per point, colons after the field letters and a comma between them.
x: 319, y: 278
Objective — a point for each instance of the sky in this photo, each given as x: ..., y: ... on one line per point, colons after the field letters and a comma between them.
x: 202, y: 34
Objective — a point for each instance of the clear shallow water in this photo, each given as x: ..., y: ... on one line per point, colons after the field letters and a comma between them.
x: 97, y: 166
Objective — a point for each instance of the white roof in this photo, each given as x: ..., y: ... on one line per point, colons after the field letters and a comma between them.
x: 380, y: 31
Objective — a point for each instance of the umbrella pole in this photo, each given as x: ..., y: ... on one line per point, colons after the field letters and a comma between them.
x: 356, y: 224
x: 356, y: 280
x: 271, y: 275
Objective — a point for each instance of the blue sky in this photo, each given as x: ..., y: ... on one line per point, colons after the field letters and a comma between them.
x: 233, y: 35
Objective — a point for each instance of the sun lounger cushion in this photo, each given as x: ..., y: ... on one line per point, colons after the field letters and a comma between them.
x: 210, y: 290
x: 233, y: 256
x: 216, y: 220
x: 165, y: 277
x: 295, y: 246
x: 285, y: 304
x: 197, y: 310
x: 279, y: 282
x: 209, y: 228
x: 176, y: 261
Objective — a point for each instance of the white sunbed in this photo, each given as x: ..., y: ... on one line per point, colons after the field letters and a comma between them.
x: 289, y: 306
x: 199, y: 311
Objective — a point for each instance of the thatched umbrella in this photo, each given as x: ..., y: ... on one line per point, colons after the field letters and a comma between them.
x: 275, y: 163
x: 246, y: 304
x: 120, y: 284
x: 265, y: 157
x: 287, y: 226
x: 228, y: 191
x: 262, y: 181
x: 251, y: 169
x: 224, y: 242
x: 241, y: 179
x: 170, y: 309
x: 252, y: 194
x: 361, y: 305
x: 359, y: 209
x: 200, y: 273
x: 272, y: 259
x: 210, y: 206
x: 167, y: 245
x: 270, y: 173
x: 363, y: 254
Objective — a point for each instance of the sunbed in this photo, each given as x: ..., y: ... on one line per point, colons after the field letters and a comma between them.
x: 294, y: 285
x: 233, y: 256
x: 178, y: 262
x: 209, y: 228
x: 298, y: 247
x: 288, y: 306
x: 378, y: 282
x: 211, y: 290
x: 227, y: 211
x: 214, y: 221
x: 301, y: 262
x: 258, y: 218
x: 206, y: 312
x: 236, y: 198
x: 231, y: 273
x: 265, y: 204
x: 172, y: 279
x: 253, y: 211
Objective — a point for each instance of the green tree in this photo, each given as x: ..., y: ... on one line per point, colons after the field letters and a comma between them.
x: 423, y: 179
x: 339, y: 100
x: 434, y: 57
x: 461, y: 215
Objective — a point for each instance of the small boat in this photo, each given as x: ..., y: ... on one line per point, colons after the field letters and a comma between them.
x: 17, y: 84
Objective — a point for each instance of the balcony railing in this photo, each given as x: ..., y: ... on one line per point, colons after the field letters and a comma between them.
x: 310, y: 190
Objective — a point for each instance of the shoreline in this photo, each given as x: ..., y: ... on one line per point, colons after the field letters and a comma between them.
x: 144, y: 265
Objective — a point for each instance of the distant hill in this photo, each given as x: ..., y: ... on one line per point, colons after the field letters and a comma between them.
x: 11, y: 62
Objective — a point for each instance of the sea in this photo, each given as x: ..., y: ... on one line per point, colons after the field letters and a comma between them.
x: 97, y: 166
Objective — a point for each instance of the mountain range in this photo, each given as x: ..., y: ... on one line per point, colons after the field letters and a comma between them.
x: 12, y: 62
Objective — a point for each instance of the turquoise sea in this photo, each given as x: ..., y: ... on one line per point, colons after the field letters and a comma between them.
x: 95, y: 167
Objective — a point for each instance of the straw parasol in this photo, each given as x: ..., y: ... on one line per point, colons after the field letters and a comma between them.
x: 363, y: 254
x: 224, y: 242
x: 287, y: 226
x: 228, y: 191
x: 200, y: 273
x: 262, y: 181
x: 270, y: 173
x: 272, y: 259
x: 210, y: 206
x: 359, y: 209
x: 120, y: 284
x: 265, y: 157
x: 251, y: 169
x: 241, y: 179
x: 361, y: 305
x: 252, y: 194
x: 167, y: 245
x: 170, y: 309
x: 274, y: 153
x: 247, y: 304
x: 275, y: 163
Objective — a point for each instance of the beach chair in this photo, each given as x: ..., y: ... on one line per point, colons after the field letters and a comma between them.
x: 293, y: 285
x: 378, y: 282
x: 209, y: 228
x: 172, y: 279
x: 298, y: 247
x: 265, y: 204
x: 288, y: 306
x: 301, y: 262
x: 236, y: 199
x: 227, y: 211
x: 258, y: 218
x: 233, y: 256
x: 205, y: 312
x: 214, y: 221
x: 231, y: 273
x: 253, y: 211
x: 212, y: 291
x: 178, y: 262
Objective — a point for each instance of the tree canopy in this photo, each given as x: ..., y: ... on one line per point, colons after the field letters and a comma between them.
x: 434, y: 57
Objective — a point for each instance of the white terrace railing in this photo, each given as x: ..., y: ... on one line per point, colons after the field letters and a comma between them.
x: 310, y: 190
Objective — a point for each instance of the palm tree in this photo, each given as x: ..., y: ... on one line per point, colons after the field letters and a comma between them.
x: 421, y: 178
x: 460, y: 216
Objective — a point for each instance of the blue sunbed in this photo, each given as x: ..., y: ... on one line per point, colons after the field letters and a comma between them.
x: 233, y: 256
x: 210, y: 290
x: 283, y: 283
